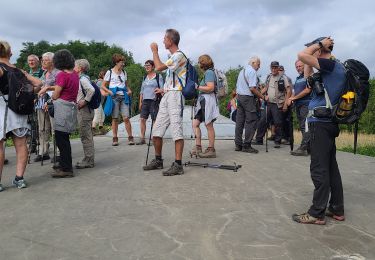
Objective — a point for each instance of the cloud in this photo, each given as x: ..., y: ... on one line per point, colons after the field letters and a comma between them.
x: 230, y: 31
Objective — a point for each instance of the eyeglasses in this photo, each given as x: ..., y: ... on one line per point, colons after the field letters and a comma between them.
x: 147, y: 65
x: 119, y: 77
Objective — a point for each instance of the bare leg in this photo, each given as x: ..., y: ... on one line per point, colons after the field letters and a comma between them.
x: 197, y: 131
x: 179, y: 147
x: 128, y: 126
x: 211, y: 134
x: 158, y: 144
x: 143, y: 127
x: 114, y: 127
x: 21, y: 151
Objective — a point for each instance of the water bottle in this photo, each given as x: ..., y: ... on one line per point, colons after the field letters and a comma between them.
x: 346, y: 104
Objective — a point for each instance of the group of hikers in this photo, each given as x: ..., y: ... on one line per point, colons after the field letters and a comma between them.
x: 65, y: 93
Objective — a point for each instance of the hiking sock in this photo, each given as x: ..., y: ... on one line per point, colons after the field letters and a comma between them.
x: 179, y: 162
x: 158, y: 157
x: 18, y: 178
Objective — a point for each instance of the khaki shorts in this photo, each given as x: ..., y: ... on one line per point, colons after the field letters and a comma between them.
x: 170, y: 114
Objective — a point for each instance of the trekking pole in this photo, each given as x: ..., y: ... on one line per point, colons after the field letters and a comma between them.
x: 149, y: 141
x: 193, y: 132
x: 266, y: 106
x: 355, y: 137
x: 233, y: 167
x: 291, y: 137
x: 44, y: 133
x: 54, y: 149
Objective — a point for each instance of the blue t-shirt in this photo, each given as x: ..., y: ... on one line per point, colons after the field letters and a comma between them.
x: 149, y: 85
x: 334, y: 80
x: 298, y: 87
x: 209, y: 76
x: 243, y: 87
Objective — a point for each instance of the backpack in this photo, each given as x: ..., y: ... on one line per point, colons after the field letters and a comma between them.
x: 189, y: 91
x: 21, y: 92
x: 96, y: 99
x: 354, y: 97
x: 221, y: 88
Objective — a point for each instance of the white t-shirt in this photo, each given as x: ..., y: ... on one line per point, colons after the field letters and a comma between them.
x: 116, y: 80
x: 176, y: 64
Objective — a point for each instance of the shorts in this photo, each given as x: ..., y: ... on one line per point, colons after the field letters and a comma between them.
x: 200, y: 116
x: 170, y: 114
x: 119, y: 106
x: 148, y: 107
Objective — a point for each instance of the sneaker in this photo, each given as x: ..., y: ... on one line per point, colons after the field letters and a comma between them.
x: 19, y: 184
x: 84, y: 165
x: 40, y: 158
x: 115, y: 141
x: 238, y: 148
x: 196, y: 150
x: 249, y: 150
x: 277, y: 145
x: 334, y: 216
x: 175, y: 169
x: 210, y: 152
x: 59, y: 173
x: 1, y: 187
x: 154, y: 165
x: 141, y: 142
x: 131, y: 140
x: 306, y: 218
x: 299, y: 152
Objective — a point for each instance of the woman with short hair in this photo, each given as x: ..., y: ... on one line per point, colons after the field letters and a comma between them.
x: 12, y: 124
x: 65, y: 109
x: 115, y: 84
x: 99, y: 116
x: 206, y: 109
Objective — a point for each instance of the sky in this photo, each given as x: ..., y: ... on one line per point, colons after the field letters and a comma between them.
x: 230, y: 31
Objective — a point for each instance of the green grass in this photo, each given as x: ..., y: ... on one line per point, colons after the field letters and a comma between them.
x: 368, y: 150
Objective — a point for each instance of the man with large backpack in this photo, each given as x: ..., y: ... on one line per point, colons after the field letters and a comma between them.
x: 171, y: 105
x: 327, y: 87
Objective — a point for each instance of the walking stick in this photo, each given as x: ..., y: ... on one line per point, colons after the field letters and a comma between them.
x: 193, y: 132
x: 291, y: 129
x: 266, y: 105
x: 149, y: 141
x: 44, y: 133
x: 355, y: 137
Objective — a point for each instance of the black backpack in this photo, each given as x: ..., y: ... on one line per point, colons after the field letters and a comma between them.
x: 354, y: 97
x: 96, y: 99
x: 21, y: 92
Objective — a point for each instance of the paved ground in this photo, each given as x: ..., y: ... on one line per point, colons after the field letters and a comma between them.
x: 117, y: 211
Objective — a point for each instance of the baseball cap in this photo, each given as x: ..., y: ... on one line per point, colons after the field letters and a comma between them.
x: 315, y: 41
x: 275, y: 64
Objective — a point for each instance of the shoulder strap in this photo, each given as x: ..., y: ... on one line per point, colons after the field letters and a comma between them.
x: 268, y: 79
x: 244, y: 76
x: 157, y: 79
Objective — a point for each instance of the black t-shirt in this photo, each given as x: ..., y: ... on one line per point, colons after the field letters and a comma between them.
x: 326, y: 65
x: 4, y: 88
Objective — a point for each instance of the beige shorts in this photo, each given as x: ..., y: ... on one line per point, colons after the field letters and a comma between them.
x: 170, y: 114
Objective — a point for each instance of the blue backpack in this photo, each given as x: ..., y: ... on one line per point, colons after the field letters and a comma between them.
x: 189, y: 91
x: 96, y: 98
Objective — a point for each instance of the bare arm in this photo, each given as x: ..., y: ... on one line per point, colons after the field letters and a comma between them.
x: 56, y: 94
x: 207, y: 89
x: 159, y: 65
x: 256, y: 92
x: 307, y: 55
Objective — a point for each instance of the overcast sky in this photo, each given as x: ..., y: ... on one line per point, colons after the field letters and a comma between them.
x: 230, y: 31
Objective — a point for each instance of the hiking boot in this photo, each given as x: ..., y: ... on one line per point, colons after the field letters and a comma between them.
x: 299, y: 152
x: 56, y: 166
x: 277, y: 145
x: 175, y: 169
x: 1, y: 187
x: 238, y: 148
x: 84, y: 165
x: 94, y: 131
x: 115, y: 141
x: 154, y: 165
x: 210, y: 152
x: 21, y: 184
x: 334, y: 216
x: 59, y: 173
x: 40, y: 158
x: 102, y: 131
x: 249, y: 149
x: 131, y: 140
x: 271, y: 138
x: 285, y: 141
x: 196, y: 150
x: 141, y: 142
x: 306, y: 218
